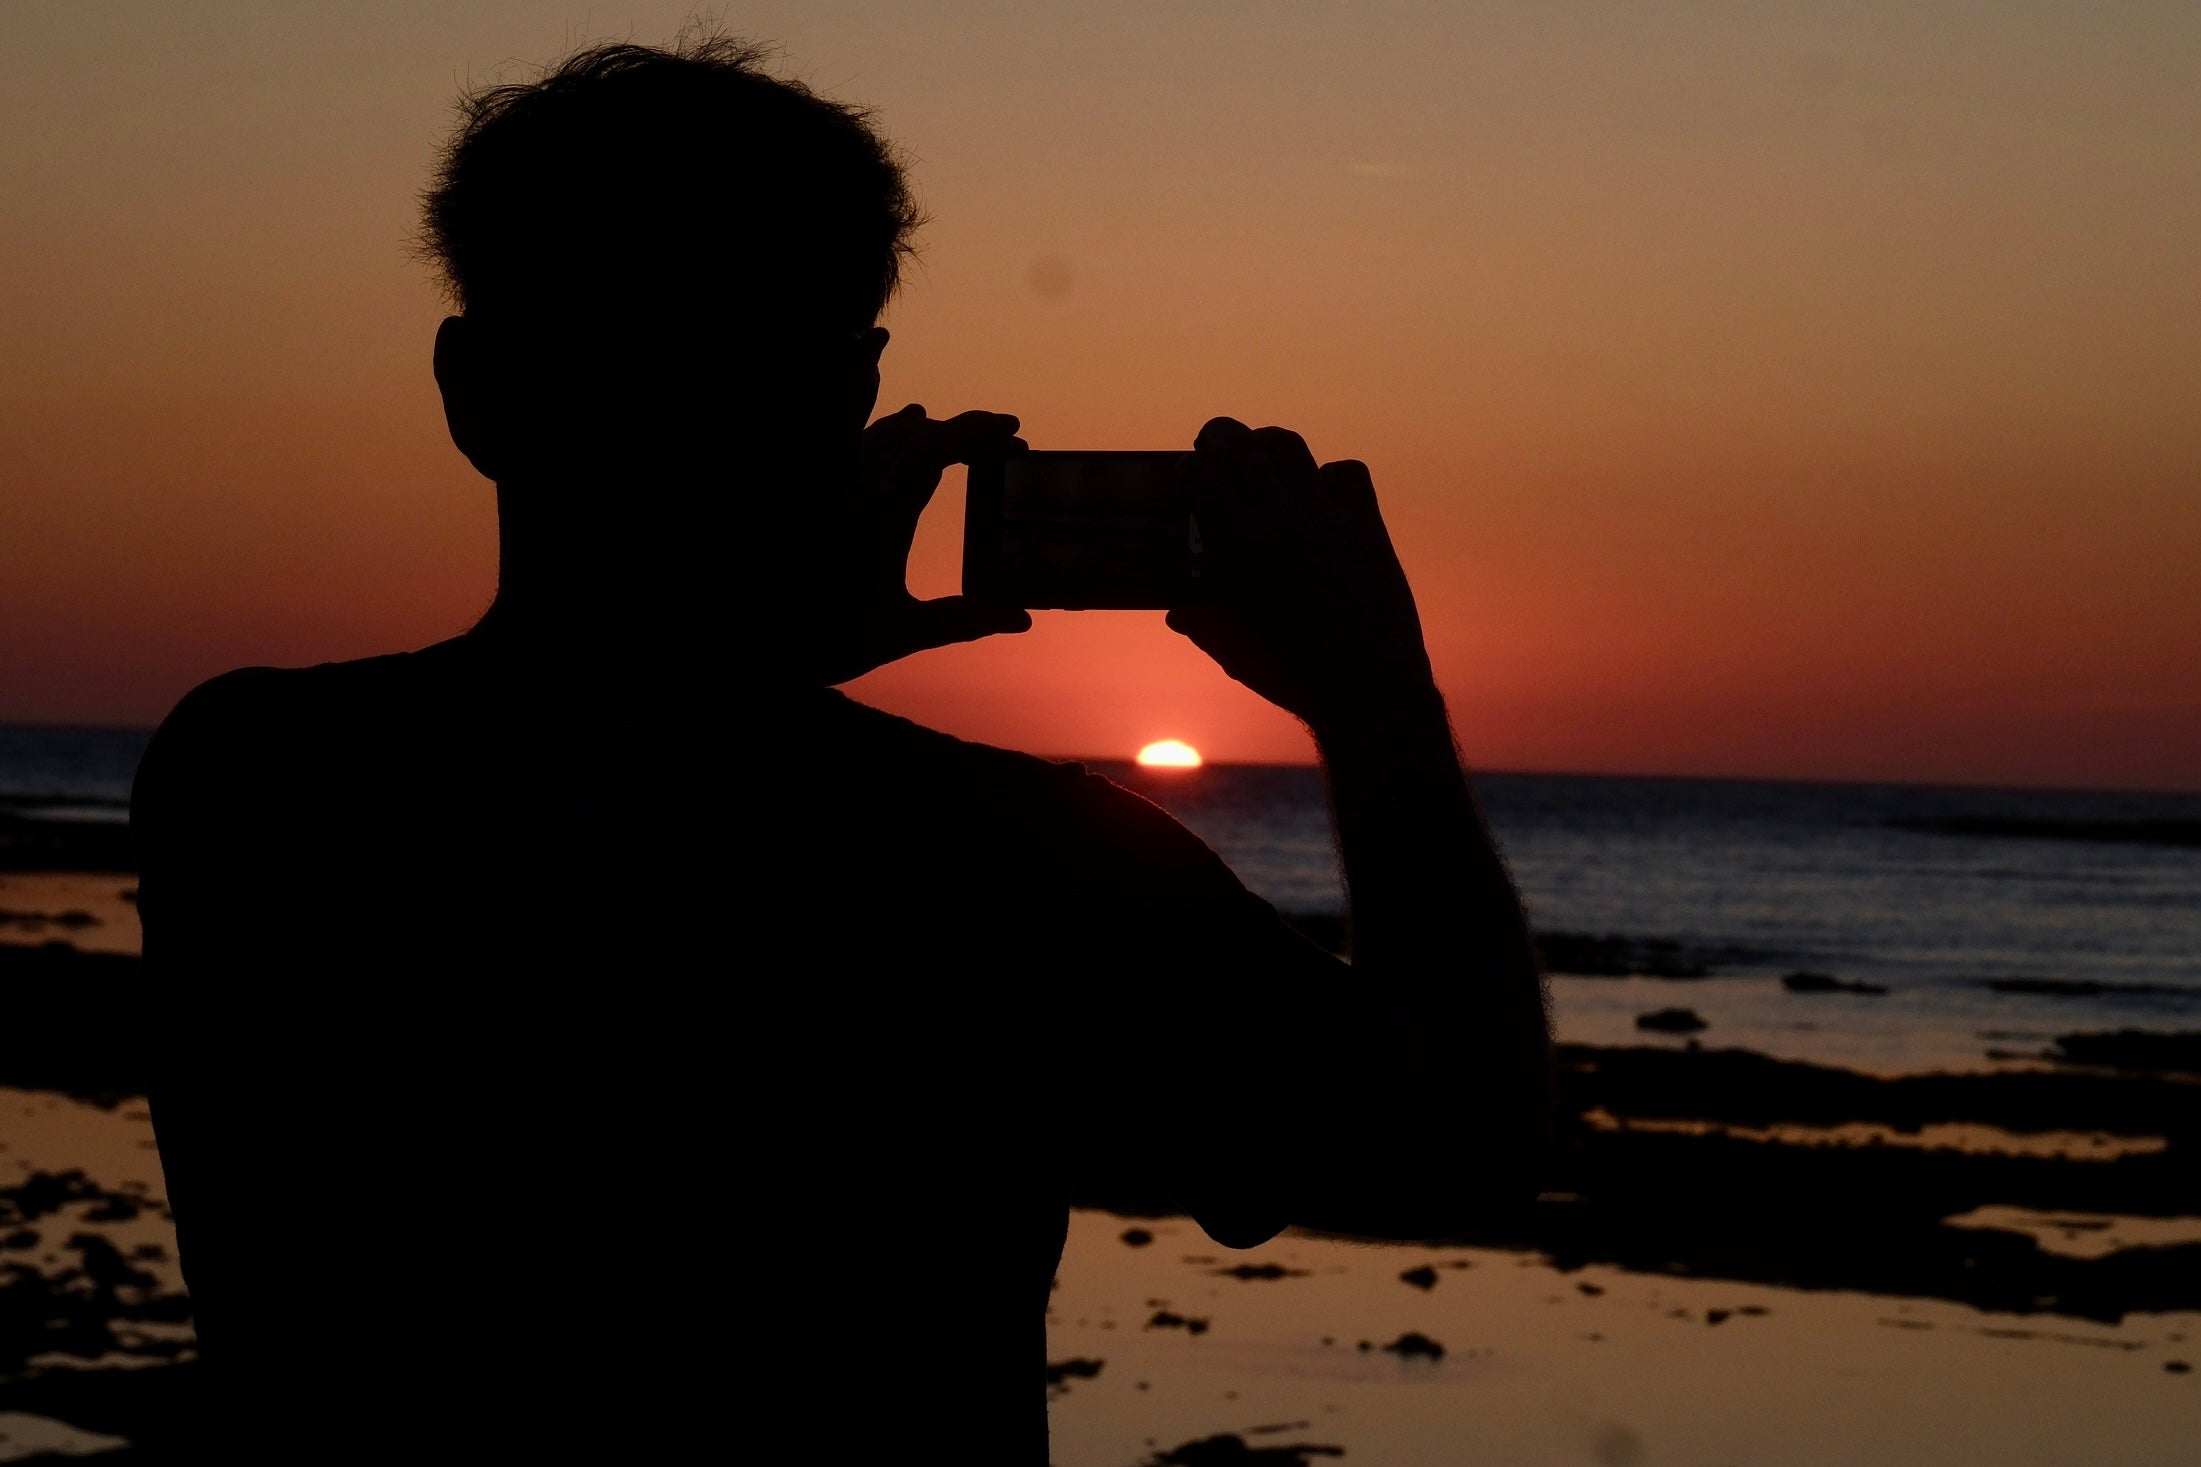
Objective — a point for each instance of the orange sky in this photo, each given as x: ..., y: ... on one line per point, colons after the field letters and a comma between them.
x: 1750, y: 393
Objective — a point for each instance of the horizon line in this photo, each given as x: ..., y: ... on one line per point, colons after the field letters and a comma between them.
x: 1168, y: 771
x: 1131, y: 761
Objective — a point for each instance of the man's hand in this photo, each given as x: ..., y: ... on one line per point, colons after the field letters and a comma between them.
x: 1311, y: 609
x: 869, y: 617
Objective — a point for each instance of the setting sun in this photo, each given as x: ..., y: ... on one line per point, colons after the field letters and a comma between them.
x: 1170, y: 754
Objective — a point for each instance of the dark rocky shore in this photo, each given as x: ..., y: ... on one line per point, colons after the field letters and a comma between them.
x: 1742, y: 1190
x: 30, y: 840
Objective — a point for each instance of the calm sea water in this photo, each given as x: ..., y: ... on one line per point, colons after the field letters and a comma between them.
x: 69, y: 772
x: 1936, y: 894
x: 1940, y: 895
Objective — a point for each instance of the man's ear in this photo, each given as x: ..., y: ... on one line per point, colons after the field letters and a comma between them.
x: 470, y: 392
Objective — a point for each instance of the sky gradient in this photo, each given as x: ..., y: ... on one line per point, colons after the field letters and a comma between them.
x: 1750, y: 392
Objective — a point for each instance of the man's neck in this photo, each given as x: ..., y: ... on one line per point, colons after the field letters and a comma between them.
x: 617, y: 611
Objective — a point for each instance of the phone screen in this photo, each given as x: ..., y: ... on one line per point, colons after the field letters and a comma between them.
x: 1081, y: 531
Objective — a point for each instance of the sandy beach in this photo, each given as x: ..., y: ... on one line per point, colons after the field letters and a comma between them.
x: 1738, y: 1259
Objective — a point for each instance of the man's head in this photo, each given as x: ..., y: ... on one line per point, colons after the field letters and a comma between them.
x: 653, y: 247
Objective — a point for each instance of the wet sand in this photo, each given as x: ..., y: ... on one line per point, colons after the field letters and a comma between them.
x: 1595, y: 1365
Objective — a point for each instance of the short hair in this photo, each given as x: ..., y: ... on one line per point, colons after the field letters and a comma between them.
x: 612, y: 170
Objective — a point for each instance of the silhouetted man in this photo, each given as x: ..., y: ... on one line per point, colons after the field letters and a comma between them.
x: 594, y: 1034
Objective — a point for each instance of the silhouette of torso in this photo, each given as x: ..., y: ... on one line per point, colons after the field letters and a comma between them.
x: 537, y: 1074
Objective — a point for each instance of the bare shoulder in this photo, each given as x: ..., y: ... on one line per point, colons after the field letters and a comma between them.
x: 223, y: 707
x: 236, y: 744
x: 215, y: 732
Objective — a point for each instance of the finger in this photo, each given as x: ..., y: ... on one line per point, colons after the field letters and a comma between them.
x: 1220, y: 434
x: 908, y: 454
x: 949, y: 620
x: 1261, y: 461
x: 1209, y: 626
x: 884, y: 440
x: 915, y: 471
x: 1285, y: 470
x: 1350, y: 492
x: 1217, y: 631
x: 974, y: 435
x: 1238, y: 474
x: 1217, y: 468
x: 1349, y: 484
x: 1190, y: 621
x: 1282, y: 452
x: 898, y: 420
x: 965, y: 432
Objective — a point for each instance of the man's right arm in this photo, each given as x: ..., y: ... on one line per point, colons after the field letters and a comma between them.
x: 1438, y: 929
x: 1314, y: 613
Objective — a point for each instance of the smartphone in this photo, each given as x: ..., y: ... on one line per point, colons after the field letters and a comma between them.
x: 1082, y: 531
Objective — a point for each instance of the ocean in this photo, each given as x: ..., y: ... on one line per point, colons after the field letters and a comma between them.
x: 1993, y: 921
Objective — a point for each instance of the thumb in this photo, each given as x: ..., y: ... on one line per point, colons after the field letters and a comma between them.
x: 948, y: 620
